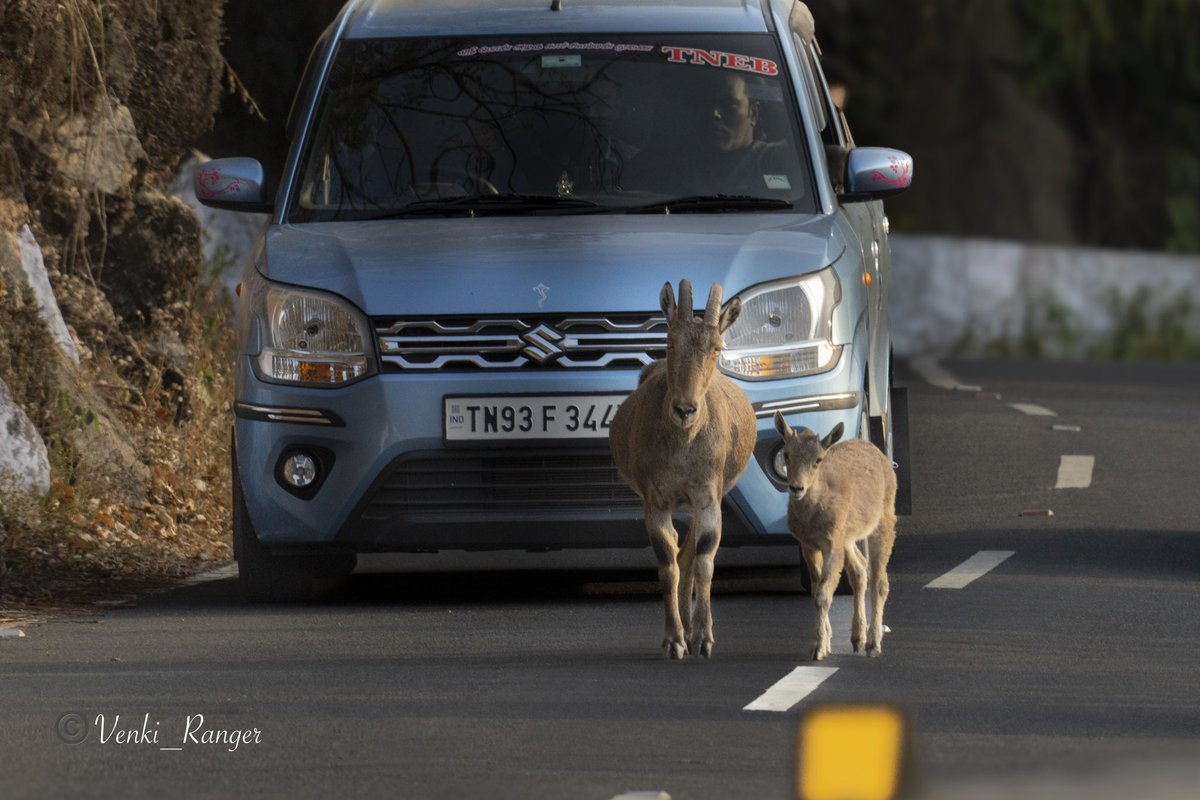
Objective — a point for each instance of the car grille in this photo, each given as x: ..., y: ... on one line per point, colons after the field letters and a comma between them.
x: 499, y: 481
x: 577, y: 342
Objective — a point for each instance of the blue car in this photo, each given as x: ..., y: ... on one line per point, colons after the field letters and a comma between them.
x: 460, y: 280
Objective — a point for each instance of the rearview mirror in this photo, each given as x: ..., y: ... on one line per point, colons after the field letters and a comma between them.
x: 873, y: 173
x: 235, y: 184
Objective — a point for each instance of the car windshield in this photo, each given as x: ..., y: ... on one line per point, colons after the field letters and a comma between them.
x: 534, y: 125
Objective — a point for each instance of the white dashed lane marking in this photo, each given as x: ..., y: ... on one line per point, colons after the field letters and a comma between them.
x: 802, y: 681
x: 791, y: 689
x: 1033, y: 410
x: 970, y: 570
x: 1075, y: 472
x: 933, y: 373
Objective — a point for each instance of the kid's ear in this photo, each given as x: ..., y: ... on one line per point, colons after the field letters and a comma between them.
x: 833, y: 436
x: 730, y: 314
x: 666, y: 299
x: 781, y: 425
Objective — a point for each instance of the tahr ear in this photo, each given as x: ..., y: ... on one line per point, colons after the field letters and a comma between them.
x: 731, y: 313
x: 834, y: 436
x: 781, y: 425
x: 666, y: 299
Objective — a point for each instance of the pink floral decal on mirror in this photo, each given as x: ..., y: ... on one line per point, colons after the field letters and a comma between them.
x: 208, y: 183
x: 898, y: 178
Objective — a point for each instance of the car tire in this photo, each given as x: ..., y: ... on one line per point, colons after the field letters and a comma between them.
x: 900, y: 452
x: 266, y: 577
x: 880, y: 431
x: 890, y: 435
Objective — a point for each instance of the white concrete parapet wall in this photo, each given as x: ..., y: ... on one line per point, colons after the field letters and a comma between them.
x: 946, y: 291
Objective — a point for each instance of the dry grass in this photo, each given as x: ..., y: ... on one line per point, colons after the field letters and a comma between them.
x: 100, y: 533
x: 80, y: 544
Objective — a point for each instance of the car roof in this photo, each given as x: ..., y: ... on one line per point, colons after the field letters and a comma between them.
x: 387, y: 18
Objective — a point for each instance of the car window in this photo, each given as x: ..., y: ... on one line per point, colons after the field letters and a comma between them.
x: 614, y: 121
x: 809, y: 79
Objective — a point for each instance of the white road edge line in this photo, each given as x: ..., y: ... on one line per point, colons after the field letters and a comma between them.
x: 932, y: 372
x: 791, y: 689
x: 1075, y: 472
x: 1033, y: 410
x: 841, y: 615
x: 218, y: 574
x: 974, y: 567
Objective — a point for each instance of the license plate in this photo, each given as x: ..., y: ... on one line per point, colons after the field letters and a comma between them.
x: 524, y: 417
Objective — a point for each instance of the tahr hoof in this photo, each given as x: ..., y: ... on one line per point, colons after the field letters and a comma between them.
x: 699, y: 646
x: 676, y: 650
x: 874, y: 650
x: 857, y: 644
x: 818, y: 654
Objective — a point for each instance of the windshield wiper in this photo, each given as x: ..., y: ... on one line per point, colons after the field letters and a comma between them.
x: 533, y: 203
x: 503, y: 203
x: 709, y: 202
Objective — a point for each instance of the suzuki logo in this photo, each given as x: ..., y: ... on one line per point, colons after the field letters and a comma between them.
x: 542, y: 343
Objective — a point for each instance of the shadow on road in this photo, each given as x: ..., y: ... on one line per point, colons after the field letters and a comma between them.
x: 496, y: 587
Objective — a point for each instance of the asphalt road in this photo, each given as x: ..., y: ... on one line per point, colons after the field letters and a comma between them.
x: 1067, y: 668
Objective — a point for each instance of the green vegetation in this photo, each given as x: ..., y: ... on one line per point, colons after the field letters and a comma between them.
x: 1068, y: 121
x: 85, y: 539
x: 1138, y: 330
x: 1142, y: 333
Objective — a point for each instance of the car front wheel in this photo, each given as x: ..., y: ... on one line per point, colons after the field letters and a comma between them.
x: 266, y: 577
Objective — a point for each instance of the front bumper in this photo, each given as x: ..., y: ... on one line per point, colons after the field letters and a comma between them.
x: 390, y: 484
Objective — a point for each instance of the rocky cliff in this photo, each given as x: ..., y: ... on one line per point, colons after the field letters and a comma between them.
x: 113, y: 342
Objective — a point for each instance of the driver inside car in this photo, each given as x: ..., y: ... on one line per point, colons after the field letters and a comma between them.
x: 724, y: 147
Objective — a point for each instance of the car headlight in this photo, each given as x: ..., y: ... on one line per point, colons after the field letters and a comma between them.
x: 785, y: 329
x: 311, y: 339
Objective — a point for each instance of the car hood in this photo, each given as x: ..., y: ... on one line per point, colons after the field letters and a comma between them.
x: 543, y: 264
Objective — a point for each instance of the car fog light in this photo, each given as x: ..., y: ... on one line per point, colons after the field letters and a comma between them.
x: 779, y: 464
x: 300, y: 470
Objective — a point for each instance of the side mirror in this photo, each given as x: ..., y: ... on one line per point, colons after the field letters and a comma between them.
x: 235, y: 184
x: 873, y: 173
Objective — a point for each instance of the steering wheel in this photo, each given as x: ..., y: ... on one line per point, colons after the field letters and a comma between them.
x: 463, y: 177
